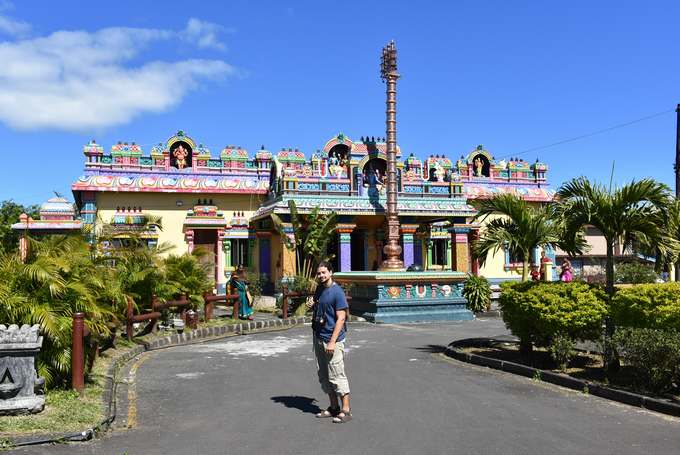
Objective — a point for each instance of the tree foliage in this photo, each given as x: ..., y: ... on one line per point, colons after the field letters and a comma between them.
x: 9, y: 214
x: 312, y: 234
x: 521, y: 228
x: 635, y: 212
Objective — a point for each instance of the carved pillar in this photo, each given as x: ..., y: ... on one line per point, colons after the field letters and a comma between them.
x: 449, y: 255
x: 288, y: 262
x: 226, y: 246
x: 461, y: 249
x: 189, y: 238
x: 379, y: 243
x: 220, y: 279
x: 418, y: 250
x: 345, y: 246
x: 474, y: 237
x: 407, y: 235
x: 251, y: 250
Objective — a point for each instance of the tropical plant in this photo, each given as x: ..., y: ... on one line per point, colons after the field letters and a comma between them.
x: 9, y: 214
x: 477, y: 292
x: 186, y: 275
x: 536, y: 311
x: 58, y: 279
x: 653, y: 354
x: 520, y: 228
x: 312, y: 234
x: 635, y: 212
x: 634, y: 273
x: 652, y: 306
x: 562, y: 349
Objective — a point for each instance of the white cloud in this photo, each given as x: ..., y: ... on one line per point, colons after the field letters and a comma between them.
x: 12, y: 27
x: 203, y: 34
x: 77, y: 80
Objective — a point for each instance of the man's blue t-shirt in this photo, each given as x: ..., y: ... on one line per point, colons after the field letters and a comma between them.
x: 329, y: 300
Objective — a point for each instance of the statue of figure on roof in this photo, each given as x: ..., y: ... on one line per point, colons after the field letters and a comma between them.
x: 180, y: 154
x: 478, y: 166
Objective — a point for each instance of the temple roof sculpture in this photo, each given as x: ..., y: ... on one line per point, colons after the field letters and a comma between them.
x: 342, y: 168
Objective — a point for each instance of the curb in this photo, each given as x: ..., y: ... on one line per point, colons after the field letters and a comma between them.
x: 111, y: 383
x: 563, y: 380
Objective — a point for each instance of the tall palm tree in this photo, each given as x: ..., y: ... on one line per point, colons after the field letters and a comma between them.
x: 636, y: 212
x: 521, y: 227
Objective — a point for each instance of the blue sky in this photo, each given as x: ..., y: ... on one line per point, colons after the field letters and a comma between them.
x: 511, y: 75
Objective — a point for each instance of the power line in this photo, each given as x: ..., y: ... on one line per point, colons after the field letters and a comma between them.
x: 583, y: 136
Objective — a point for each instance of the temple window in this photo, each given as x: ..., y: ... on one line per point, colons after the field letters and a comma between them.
x: 513, y: 260
x: 239, y: 252
x: 439, y: 253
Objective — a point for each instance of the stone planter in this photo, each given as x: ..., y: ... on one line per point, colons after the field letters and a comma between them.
x: 21, y: 390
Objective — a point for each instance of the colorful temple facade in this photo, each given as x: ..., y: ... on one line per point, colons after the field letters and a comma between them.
x: 223, y: 203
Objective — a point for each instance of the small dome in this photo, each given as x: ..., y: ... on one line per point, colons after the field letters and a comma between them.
x: 56, y: 206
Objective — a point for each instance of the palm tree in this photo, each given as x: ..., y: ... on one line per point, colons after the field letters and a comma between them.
x: 521, y: 228
x: 636, y: 212
x: 58, y: 279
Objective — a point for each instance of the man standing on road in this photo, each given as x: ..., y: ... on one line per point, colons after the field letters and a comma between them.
x: 328, y: 324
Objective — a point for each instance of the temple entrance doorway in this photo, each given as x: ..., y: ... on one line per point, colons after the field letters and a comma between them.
x: 205, y: 241
x: 359, y: 250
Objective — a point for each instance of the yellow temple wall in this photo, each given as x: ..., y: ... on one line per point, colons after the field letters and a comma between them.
x: 172, y: 215
x: 495, y: 263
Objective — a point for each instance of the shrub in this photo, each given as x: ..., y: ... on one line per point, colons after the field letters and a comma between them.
x: 654, y: 356
x: 536, y: 312
x: 634, y: 273
x: 654, y: 306
x: 477, y: 292
x: 562, y: 350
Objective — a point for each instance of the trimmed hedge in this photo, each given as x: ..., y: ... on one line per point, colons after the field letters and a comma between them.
x: 537, y: 311
x: 652, y: 306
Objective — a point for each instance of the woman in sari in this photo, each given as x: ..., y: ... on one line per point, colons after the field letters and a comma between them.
x: 239, y: 285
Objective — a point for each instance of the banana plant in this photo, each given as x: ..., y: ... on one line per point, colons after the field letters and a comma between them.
x: 312, y: 234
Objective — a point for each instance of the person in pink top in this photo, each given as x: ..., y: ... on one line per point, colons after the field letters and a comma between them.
x: 567, y: 274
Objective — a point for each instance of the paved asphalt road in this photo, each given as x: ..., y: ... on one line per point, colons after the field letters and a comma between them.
x: 256, y: 395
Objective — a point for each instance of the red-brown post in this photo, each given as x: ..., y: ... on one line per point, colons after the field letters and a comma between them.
x: 77, y: 353
x: 284, y: 303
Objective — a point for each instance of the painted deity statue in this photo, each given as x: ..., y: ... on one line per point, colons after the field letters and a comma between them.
x: 478, y: 165
x: 439, y: 172
x: 180, y: 154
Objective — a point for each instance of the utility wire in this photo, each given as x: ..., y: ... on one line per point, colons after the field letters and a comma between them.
x: 583, y: 136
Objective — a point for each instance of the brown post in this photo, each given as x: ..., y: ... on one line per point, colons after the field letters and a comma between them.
x: 235, y: 302
x: 78, y: 353
x: 128, y: 322
x: 207, y: 308
x: 388, y: 72
x: 284, y: 305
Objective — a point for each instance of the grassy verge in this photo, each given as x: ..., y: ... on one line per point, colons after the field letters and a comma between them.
x: 65, y: 410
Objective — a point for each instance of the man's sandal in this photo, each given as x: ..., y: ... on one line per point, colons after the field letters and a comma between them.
x: 329, y: 412
x: 342, y: 417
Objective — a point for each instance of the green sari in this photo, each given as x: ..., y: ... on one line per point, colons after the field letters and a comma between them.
x: 245, y: 308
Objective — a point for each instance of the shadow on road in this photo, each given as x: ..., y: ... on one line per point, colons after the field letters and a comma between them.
x: 431, y: 348
x: 304, y: 404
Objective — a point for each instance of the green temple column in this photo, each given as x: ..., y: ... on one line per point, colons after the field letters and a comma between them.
x: 429, y: 245
x: 449, y: 255
x: 226, y: 245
